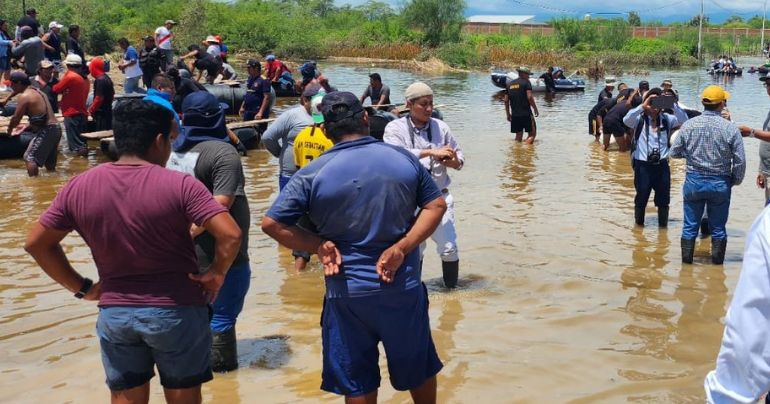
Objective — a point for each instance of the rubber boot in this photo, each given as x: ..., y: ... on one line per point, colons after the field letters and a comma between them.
x: 718, y: 247
x: 705, y: 230
x: 663, y: 216
x: 639, y: 216
x: 224, y: 351
x: 451, y: 270
x: 688, y: 250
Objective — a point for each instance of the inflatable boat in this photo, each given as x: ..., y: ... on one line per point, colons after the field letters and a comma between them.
x: 499, y: 79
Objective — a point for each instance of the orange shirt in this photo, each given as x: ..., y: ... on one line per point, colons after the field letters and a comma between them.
x: 74, y: 90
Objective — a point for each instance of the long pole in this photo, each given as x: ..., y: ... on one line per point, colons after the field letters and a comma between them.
x: 700, y: 30
x: 764, y: 15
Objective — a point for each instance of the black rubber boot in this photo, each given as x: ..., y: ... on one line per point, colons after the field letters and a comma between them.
x: 451, y: 271
x: 224, y: 351
x: 705, y: 230
x: 718, y: 247
x: 688, y: 250
x: 639, y: 216
x: 663, y: 216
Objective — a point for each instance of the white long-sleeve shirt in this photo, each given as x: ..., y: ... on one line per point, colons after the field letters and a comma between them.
x: 398, y: 133
x: 742, y: 374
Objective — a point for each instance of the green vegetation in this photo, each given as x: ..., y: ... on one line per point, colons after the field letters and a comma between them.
x: 301, y: 29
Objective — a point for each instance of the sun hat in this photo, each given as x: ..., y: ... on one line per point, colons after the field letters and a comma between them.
x: 714, y: 95
x: 203, y: 119
x: 170, y: 22
x: 54, y: 24
x: 416, y: 90
x: 211, y: 38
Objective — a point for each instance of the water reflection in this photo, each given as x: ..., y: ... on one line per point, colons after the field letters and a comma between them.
x: 516, y: 177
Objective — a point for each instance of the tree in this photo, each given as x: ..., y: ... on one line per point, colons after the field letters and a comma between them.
x: 375, y: 10
x: 696, y: 20
x: 192, y: 24
x: 440, y: 20
x: 321, y: 7
x: 633, y: 19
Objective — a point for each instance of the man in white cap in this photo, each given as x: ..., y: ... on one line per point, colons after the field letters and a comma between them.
x: 432, y: 142
x: 74, y: 90
x: 609, y: 86
x: 163, y: 37
x: 53, y: 49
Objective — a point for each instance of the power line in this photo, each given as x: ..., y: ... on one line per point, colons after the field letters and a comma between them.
x: 727, y: 9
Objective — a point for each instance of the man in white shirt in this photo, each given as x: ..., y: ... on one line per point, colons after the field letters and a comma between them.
x: 742, y: 374
x: 432, y: 142
x: 163, y: 37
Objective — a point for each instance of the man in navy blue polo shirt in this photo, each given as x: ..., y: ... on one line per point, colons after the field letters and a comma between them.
x: 362, y: 195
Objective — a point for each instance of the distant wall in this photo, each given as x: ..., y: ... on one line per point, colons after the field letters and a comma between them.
x: 639, y: 32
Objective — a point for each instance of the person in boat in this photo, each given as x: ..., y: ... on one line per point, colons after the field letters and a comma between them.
x: 520, y: 107
x: 609, y: 86
x: 374, y: 291
x: 547, y: 77
x: 277, y: 72
x: 652, y: 128
x: 42, y: 151
x: 432, y: 142
x: 378, y: 92
x: 152, y: 297
x: 558, y: 73
x: 204, y: 61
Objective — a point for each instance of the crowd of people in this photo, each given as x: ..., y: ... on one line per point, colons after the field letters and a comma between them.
x: 176, y: 306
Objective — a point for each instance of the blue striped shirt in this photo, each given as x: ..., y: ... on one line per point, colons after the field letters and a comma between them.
x: 712, y: 145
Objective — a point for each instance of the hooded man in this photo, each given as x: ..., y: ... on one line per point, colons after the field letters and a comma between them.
x: 203, y: 150
x: 104, y: 93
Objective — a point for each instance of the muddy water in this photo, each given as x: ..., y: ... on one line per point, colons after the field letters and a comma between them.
x: 562, y: 299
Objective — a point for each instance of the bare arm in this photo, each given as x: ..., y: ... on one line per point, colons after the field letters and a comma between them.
x: 21, y: 109
x: 297, y: 238
x: 224, y: 200
x: 532, y: 104
x: 426, y: 223
x: 43, y: 245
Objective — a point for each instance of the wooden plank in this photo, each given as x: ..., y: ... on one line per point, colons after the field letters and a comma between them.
x: 235, y: 125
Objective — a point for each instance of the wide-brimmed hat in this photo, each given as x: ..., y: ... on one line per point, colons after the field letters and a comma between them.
x: 203, y: 119
x: 524, y: 69
x: 54, y: 24
x: 211, y: 38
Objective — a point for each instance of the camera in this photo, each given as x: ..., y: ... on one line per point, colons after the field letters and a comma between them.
x: 663, y: 102
x: 653, y: 157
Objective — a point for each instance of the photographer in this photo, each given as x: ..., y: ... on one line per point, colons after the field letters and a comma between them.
x: 652, y: 126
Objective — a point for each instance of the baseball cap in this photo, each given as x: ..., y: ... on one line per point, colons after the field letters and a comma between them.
x: 20, y: 77
x: 644, y: 84
x: 315, y: 103
x: 714, y: 95
x: 270, y: 57
x: 340, y: 105
x: 523, y: 69
x: 253, y: 63
x: 46, y: 64
x: 149, y: 38
x: 416, y: 90
x: 203, y: 119
x: 170, y: 22
x: 54, y: 24
x: 311, y: 90
x: 73, y: 59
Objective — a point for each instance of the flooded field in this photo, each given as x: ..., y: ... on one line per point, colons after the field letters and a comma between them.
x: 562, y: 299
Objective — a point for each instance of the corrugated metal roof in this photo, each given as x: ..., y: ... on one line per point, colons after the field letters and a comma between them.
x: 503, y: 19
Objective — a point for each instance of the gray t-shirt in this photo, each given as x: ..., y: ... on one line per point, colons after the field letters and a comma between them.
x: 764, y: 150
x: 376, y: 93
x: 219, y: 168
x: 279, y: 136
x: 33, y: 51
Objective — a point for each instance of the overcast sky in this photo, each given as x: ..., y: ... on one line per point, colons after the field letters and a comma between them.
x: 666, y: 10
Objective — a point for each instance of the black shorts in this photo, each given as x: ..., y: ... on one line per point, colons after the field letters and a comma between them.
x: 523, y: 123
x: 43, y: 149
x: 614, y: 130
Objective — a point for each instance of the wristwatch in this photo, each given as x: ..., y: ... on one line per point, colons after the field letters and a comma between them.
x: 87, y: 283
x: 751, y: 134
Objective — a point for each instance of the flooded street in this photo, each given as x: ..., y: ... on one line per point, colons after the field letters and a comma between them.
x: 562, y: 299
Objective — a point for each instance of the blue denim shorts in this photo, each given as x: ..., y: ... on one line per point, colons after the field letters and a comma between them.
x: 135, y: 339
x: 352, y: 328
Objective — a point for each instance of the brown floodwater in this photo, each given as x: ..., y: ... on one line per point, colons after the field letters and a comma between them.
x: 562, y: 299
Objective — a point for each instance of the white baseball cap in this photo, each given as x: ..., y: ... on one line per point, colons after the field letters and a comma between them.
x: 73, y: 59
x: 54, y: 24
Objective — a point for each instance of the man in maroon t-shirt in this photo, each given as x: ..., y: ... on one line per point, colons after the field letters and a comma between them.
x: 135, y: 215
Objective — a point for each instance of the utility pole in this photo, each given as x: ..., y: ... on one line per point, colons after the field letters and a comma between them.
x: 700, y: 31
x: 764, y: 15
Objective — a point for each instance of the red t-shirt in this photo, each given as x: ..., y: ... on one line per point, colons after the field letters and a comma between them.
x: 74, y: 89
x: 136, y: 220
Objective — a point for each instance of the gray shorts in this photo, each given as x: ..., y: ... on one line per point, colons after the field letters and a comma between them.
x: 43, y: 148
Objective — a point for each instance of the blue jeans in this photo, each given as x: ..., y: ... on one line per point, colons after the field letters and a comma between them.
x: 74, y: 126
x: 132, y: 86
x: 230, y: 299
x: 711, y: 192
